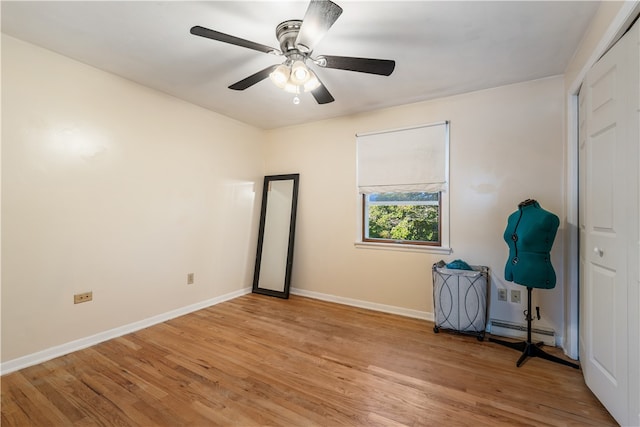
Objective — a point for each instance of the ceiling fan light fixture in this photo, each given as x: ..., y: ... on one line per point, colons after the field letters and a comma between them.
x: 291, y: 88
x: 299, y: 73
x: 312, y: 83
x: 280, y: 76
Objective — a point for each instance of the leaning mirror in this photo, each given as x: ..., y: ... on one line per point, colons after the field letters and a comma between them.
x: 274, y: 259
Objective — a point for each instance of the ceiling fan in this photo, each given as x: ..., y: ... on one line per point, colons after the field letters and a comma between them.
x: 297, y: 40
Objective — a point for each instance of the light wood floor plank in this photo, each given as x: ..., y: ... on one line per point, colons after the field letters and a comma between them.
x: 258, y: 360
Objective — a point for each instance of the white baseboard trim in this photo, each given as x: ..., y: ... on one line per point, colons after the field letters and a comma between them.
x: 416, y: 314
x: 61, y: 350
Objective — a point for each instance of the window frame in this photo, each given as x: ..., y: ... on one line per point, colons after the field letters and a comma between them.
x: 443, y: 249
x: 364, y: 237
x: 445, y: 209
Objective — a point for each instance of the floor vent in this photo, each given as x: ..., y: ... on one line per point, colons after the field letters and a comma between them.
x: 517, y: 330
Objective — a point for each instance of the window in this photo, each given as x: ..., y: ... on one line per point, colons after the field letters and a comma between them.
x: 410, y: 218
x: 403, y: 183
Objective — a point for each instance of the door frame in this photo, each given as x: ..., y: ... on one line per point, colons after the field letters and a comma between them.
x: 618, y: 26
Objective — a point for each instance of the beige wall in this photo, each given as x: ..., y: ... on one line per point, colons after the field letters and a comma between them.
x: 114, y: 188
x: 506, y: 146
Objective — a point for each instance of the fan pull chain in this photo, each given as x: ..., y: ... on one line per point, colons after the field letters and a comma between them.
x: 296, y: 98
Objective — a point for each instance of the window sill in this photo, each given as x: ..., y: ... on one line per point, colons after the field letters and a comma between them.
x: 403, y: 248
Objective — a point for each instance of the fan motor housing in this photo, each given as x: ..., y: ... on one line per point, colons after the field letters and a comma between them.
x: 287, y: 33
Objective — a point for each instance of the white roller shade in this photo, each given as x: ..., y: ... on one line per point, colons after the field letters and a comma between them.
x: 413, y: 159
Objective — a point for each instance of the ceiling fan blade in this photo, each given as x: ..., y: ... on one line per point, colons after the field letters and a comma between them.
x: 253, y: 79
x: 226, y: 38
x: 383, y: 67
x: 322, y: 95
x: 319, y: 17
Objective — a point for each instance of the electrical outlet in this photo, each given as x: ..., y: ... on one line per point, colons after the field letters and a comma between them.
x: 515, y: 296
x: 83, y: 297
x: 502, y: 294
x: 190, y: 279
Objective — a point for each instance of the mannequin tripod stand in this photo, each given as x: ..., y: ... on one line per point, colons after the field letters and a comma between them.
x: 529, y: 348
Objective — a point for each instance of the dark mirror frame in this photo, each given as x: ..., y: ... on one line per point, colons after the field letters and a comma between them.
x: 292, y: 229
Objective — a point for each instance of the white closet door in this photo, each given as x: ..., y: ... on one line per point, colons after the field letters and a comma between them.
x: 634, y: 230
x: 609, y: 226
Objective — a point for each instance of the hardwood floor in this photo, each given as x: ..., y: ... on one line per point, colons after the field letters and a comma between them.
x: 258, y: 360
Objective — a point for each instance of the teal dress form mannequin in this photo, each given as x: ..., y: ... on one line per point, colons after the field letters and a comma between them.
x: 529, y: 234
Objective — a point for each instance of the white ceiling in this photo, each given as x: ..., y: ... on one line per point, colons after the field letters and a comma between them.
x: 441, y: 48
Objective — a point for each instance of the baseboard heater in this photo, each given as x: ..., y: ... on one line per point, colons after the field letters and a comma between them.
x: 516, y: 330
